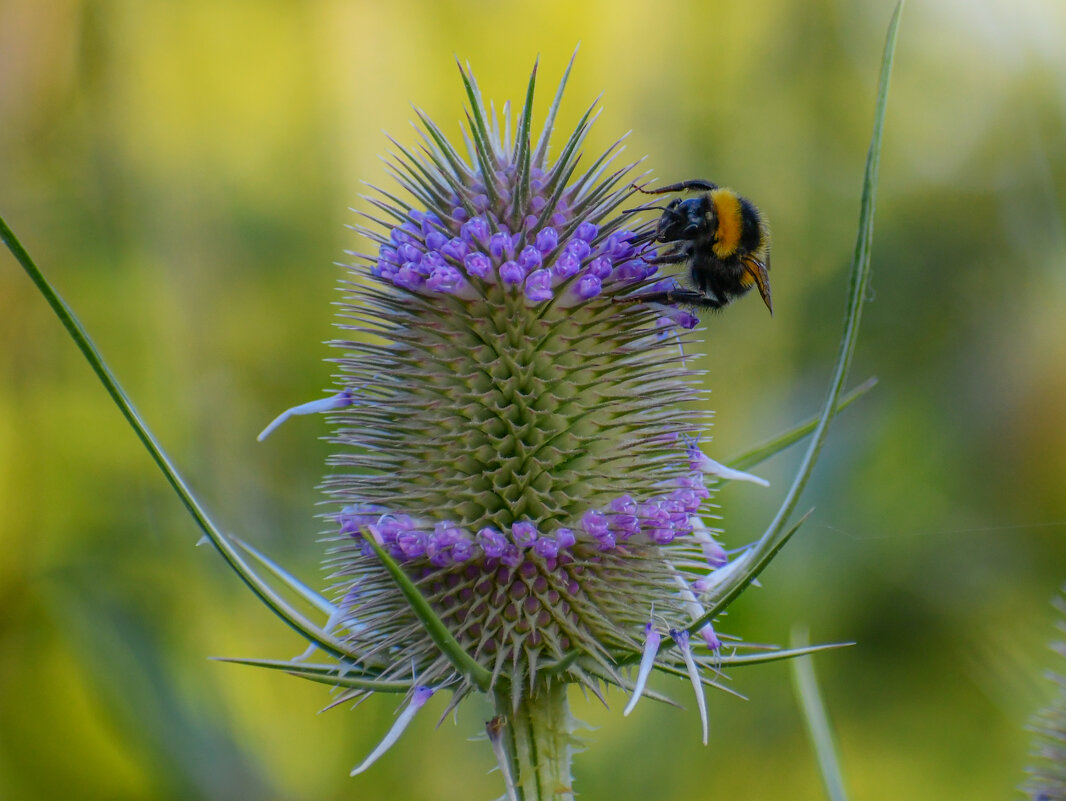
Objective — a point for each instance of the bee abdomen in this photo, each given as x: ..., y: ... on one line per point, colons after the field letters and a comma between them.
x: 753, y: 229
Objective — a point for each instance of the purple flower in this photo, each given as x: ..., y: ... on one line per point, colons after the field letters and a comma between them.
x: 462, y: 550
x: 409, y: 252
x: 500, y: 246
x: 617, y: 245
x: 633, y: 270
x: 529, y: 258
x: 502, y: 380
x: 586, y: 231
x: 523, y: 533
x: 512, y: 556
x: 588, y: 286
x: 565, y: 538
x: 492, y: 542
x: 578, y: 249
x: 454, y: 248
x: 445, y: 279
x: 539, y: 286
x: 565, y: 266
x: 546, y: 547
x: 412, y: 543
x: 475, y: 231
x: 389, y: 255
x: 600, y: 267
x: 409, y: 277
x: 477, y: 265
x: 404, y: 234
x: 511, y: 272
x: 547, y: 240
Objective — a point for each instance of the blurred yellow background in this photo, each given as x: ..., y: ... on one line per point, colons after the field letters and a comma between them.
x: 183, y: 171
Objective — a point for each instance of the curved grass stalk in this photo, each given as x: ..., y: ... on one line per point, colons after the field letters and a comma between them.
x: 293, y: 618
x: 777, y: 534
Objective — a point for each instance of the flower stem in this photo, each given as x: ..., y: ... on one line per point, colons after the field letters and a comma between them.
x: 540, y: 740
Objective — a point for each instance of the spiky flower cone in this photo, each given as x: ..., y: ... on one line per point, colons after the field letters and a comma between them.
x: 518, y: 496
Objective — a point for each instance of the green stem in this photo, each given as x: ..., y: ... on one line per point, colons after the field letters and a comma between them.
x: 539, y: 734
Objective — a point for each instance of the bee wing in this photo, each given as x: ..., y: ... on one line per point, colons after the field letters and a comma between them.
x: 759, y: 272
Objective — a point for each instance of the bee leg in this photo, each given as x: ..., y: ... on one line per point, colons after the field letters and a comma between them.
x: 682, y: 186
x: 668, y: 258
x: 686, y: 297
x: 707, y: 302
x: 642, y: 239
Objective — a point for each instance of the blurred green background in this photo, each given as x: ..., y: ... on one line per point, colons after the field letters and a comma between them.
x: 183, y: 171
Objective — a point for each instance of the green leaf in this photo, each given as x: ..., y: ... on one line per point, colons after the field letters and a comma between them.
x: 429, y: 182
x: 459, y: 167
x: 566, y: 163
x: 775, y: 445
x: 596, y: 671
x: 434, y: 626
x: 706, y: 681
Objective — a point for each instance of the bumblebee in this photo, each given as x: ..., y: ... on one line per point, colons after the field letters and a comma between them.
x: 721, y: 236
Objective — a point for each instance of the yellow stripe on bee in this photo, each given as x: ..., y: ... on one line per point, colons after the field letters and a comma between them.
x: 727, y: 207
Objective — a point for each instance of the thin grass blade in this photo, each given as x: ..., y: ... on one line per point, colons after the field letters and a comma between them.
x: 814, y: 715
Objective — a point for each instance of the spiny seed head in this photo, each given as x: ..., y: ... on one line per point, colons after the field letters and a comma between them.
x: 519, y: 441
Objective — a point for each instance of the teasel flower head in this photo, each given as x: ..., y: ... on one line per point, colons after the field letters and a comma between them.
x: 520, y: 500
x: 521, y: 435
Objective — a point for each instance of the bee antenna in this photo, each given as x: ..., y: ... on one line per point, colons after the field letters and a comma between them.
x: 639, y: 209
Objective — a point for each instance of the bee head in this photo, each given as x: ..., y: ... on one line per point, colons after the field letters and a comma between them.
x: 685, y: 219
